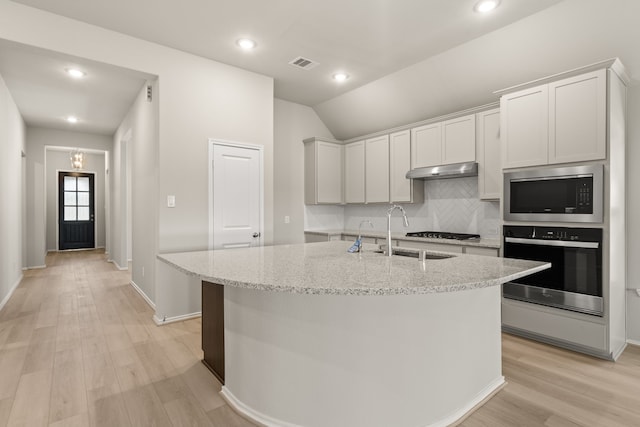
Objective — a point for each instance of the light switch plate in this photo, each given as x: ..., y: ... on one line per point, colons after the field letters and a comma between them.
x: 171, y: 201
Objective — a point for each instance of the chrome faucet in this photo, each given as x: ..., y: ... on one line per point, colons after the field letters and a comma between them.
x: 364, y: 221
x: 406, y: 224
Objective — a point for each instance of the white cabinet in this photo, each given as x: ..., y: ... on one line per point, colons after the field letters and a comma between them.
x: 525, y: 123
x: 559, y: 122
x: 402, y: 189
x: 577, y: 118
x: 426, y: 145
x: 489, y: 154
x: 459, y: 140
x: 377, y: 170
x: 322, y: 172
x: 354, y: 172
x: 443, y: 143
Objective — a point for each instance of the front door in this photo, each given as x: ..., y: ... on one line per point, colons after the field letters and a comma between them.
x: 76, y: 210
x: 237, y: 199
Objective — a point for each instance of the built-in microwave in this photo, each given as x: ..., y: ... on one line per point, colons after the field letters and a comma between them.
x: 567, y: 194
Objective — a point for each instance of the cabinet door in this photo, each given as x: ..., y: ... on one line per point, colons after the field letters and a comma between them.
x: 426, y: 145
x: 399, y: 165
x: 377, y: 169
x: 354, y: 172
x: 459, y: 140
x: 328, y: 172
x: 577, y: 118
x: 524, y: 127
x: 489, y: 154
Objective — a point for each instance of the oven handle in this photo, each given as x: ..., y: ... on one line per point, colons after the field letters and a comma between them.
x: 561, y: 243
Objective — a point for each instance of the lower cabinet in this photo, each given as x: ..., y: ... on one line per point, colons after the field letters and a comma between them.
x: 213, y: 328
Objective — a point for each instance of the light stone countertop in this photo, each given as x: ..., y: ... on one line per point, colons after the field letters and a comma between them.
x: 482, y: 243
x: 326, y: 268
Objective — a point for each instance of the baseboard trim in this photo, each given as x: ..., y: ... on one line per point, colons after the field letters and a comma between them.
x: 633, y: 342
x: 117, y: 265
x: 5, y: 300
x: 166, y: 320
x: 250, y: 414
x: 35, y: 267
x: 143, y: 294
x: 455, y: 418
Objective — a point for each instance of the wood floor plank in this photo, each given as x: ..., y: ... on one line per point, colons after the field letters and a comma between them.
x: 41, y: 350
x: 11, y: 363
x: 68, y: 393
x: 183, y: 412
x: 31, y: 403
x: 145, y: 408
x: 5, y: 410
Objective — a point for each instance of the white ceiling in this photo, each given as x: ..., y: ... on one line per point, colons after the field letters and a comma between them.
x: 46, y: 95
x: 366, y: 38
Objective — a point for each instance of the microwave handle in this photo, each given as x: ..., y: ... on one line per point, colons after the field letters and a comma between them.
x: 561, y: 243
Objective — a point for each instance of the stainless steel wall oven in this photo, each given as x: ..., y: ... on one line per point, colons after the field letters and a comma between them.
x: 574, y: 281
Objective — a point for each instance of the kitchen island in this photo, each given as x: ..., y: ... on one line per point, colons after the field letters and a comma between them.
x: 315, y: 336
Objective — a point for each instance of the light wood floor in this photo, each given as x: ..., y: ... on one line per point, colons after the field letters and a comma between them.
x: 78, y: 348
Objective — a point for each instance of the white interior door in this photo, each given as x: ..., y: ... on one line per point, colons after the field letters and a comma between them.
x: 237, y: 197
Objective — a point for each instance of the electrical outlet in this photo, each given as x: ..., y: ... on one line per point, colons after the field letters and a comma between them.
x: 171, y: 201
x: 638, y: 291
x: 142, y: 271
x: 287, y: 219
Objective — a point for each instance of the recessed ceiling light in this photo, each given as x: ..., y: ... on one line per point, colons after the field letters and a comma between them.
x: 72, y: 119
x: 75, y: 73
x: 340, y: 77
x: 246, y: 44
x: 484, y: 6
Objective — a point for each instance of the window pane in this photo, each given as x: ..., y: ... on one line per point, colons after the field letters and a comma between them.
x: 83, y: 213
x: 70, y: 183
x: 69, y: 198
x: 70, y: 214
x: 83, y: 199
x: 83, y: 184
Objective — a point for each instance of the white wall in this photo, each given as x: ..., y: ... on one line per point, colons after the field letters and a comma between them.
x: 37, y: 139
x: 292, y: 123
x: 12, y: 144
x: 140, y: 131
x: 633, y: 214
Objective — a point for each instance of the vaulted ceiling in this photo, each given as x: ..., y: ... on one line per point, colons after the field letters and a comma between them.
x: 368, y: 39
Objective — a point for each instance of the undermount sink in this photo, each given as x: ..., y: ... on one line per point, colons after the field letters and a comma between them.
x: 419, y: 254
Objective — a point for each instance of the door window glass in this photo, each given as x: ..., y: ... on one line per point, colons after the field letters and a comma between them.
x: 76, y: 198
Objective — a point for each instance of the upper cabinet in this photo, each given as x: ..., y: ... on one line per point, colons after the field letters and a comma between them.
x: 354, y: 172
x: 322, y: 172
x: 489, y: 154
x: 443, y: 143
x: 578, y: 118
x: 558, y: 122
x: 377, y: 170
x: 402, y: 189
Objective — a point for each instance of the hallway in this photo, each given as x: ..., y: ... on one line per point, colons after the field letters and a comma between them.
x: 78, y: 347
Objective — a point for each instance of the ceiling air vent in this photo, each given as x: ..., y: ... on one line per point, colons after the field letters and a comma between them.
x: 304, y: 63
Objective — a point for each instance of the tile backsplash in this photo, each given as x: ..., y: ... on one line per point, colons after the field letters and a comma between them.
x: 450, y: 205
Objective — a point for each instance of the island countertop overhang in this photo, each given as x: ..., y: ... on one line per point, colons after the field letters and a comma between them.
x: 327, y: 269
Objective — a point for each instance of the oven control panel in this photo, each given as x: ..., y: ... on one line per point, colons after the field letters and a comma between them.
x: 554, y: 233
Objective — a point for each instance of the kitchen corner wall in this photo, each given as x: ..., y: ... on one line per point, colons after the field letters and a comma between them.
x: 450, y: 205
x: 292, y: 123
x: 633, y: 214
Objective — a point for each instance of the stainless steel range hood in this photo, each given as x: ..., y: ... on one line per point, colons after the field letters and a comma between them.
x: 456, y: 170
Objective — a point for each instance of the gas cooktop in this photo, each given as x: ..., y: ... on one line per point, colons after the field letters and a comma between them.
x: 443, y: 235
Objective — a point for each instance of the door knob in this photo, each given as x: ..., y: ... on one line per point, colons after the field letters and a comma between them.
x: 255, y: 235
